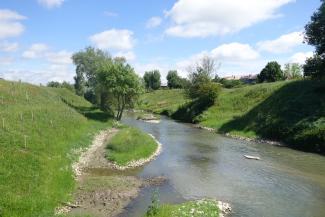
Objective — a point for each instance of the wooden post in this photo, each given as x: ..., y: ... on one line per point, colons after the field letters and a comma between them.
x: 25, y: 137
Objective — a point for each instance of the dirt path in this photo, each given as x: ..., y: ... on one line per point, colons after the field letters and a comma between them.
x: 102, y: 195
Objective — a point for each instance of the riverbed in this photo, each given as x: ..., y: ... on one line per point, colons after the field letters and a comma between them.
x: 201, y: 164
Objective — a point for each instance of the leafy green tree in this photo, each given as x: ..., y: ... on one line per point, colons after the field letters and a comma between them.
x: 120, y: 83
x: 314, y: 67
x: 271, y: 73
x: 292, y: 71
x: 314, y: 35
x: 53, y: 84
x: 152, y: 80
x: 87, y: 62
x: 175, y: 81
x: 64, y: 84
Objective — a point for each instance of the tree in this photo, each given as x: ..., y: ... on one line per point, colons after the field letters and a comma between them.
x: 120, y: 83
x: 175, y: 81
x: 315, y: 30
x: 57, y: 84
x: 87, y: 62
x: 314, y: 35
x: 314, y: 67
x: 271, y: 73
x: 53, y: 84
x: 292, y: 71
x: 152, y: 80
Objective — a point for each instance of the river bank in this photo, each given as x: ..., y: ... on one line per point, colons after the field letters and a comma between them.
x: 104, y: 195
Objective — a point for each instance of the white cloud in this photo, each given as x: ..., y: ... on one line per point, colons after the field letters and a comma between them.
x: 8, y: 47
x: 61, y: 57
x: 235, y: 52
x: 153, y: 22
x: 9, y: 24
x: 234, y: 59
x: 301, y: 57
x: 118, y: 39
x: 35, y: 51
x: 6, y: 60
x: 193, y: 18
x: 52, y: 73
x: 51, y: 3
x: 129, y: 55
x: 285, y: 43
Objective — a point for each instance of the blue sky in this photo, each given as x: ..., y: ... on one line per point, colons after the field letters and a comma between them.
x: 37, y: 37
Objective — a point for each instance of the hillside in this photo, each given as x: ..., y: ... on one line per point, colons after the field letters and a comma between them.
x: 41, y: 129
x: 162, y: 101
x: 292, y: 112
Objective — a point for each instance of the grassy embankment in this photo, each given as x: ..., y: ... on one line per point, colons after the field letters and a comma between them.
x: 292, y: 112
x: 39, y: 130
x: 130, y: 144
x: 200, y: 208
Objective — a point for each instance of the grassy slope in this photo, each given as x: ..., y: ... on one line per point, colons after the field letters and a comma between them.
x: 130, y: 144
x: 162, y: 101
x: 292, y: 112
x: 35, y: 176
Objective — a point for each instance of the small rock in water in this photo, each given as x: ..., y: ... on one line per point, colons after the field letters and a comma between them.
x: 252, y: 157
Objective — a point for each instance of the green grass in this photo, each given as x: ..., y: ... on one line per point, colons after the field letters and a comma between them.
x: 162, y: 101
x: 289, y: 111
x: 39, y: 129
x: 130, y: 144
x: 200, y: 208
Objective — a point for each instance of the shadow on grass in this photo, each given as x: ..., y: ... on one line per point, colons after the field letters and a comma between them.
x: 190, y: 112
x: 294, y: 114
x: 91, y: 112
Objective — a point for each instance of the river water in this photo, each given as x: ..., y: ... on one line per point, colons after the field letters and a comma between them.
x: 201, y: 164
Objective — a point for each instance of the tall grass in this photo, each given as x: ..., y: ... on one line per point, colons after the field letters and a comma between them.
x: 40, y: 128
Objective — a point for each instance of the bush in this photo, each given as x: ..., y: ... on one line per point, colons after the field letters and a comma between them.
x: 271, y: 73
x: 315, y: 67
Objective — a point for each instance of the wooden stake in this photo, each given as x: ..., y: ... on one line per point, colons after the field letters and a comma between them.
x: 25, y: 137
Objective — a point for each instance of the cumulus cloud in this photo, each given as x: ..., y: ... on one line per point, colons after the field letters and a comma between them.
x: 153, y: 22
x: 36, y: 51
x: 8, y: 47
x: 193, y: 18
x: 283, y: 44
x: 51, y: 3
x: 234, y: 58
x: 301, y: 57
x: 10, y: 25
x: 61, y: 57
x: 128, y: 55
x: 234, y: 52
x: 118, y: 39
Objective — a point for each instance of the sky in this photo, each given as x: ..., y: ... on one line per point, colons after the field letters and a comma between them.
x: 38, y: 37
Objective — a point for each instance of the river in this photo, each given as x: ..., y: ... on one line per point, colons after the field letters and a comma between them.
x: 201, y: 164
